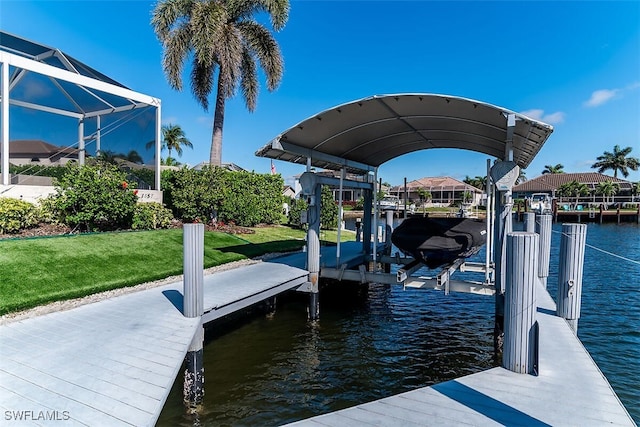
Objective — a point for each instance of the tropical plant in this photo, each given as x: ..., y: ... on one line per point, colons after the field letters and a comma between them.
x: 522, y: 177
x: 635, y: 190
x: 151, y: 216
x: 220, y: 36
x: 480, y: 182
x: 132, y: 156
x: 573, y: 189
x: 607, y: 189
x: 170, y: 161
x: 95, y: 198
x: 617, y: 160
x: 16, y: 215
x: 553, y: 169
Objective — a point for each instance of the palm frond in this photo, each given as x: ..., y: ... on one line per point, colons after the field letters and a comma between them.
x: 266, y: 49
x: 249, y: 81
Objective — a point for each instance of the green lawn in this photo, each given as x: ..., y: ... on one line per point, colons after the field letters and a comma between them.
x: 38, y: 271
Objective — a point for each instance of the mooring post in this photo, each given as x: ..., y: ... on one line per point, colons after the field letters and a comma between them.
x: 193, y: 306
x: 520, y: 337
x: 530, y: 222
x: 543, y: 228
x: 572, y: 245
x: 313, y: 255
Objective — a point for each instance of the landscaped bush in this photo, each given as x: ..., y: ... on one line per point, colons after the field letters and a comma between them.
x: 16, y: 215
x: 250, y: 198
x: 39, y: 170
x: 244, y: 198
x: 151, y: 216
x: 94, y: 198
x: 296, y: 207
x: 191, y: 194
x: 328, y: 210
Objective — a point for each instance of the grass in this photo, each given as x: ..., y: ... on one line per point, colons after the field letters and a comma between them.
x: 42, y: 270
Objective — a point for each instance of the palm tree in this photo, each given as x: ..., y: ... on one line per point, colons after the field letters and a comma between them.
x: 132, y: 156
x: 169, y: 161
x: 479, y: 182
x: 553, y: 169
x: 573, y: 189
x: 522, y: 177
x: 174, y: 138
x: 617, y: 161
x: 223, y: 39
x: 607, y: 189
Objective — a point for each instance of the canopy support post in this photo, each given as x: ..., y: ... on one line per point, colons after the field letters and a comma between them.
x: 4, y: 122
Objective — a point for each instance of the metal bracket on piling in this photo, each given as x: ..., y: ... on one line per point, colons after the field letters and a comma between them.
x: 363, y: 270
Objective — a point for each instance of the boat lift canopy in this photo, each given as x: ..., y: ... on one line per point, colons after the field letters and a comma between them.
x: 361, y: 135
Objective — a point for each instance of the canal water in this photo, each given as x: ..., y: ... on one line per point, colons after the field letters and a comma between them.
x: 376, y: 341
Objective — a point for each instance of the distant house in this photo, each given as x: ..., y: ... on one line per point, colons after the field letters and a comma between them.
x: 38, y: 152
x: 444, y: 190
x: 289, y: 192
x: 549, y: 184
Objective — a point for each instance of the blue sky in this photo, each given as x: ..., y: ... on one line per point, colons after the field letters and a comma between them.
x: 573, y: 64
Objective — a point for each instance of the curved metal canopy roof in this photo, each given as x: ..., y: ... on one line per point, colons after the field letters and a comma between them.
x: 363, y: 134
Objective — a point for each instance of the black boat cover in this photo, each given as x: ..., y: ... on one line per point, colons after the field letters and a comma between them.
x: 439, y: 241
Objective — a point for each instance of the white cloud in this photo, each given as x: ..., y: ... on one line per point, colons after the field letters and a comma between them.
x: 204, y: 120
x: 554, y: 118
x: 538, y: 114
x: 600, y: 97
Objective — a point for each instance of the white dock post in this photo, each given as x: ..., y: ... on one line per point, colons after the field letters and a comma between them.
x: 313, y: 254
x: 530, y: 222
x: 572, y: 245
x: 520, y: 338
x: 193, y: 306
x: 543, y: 228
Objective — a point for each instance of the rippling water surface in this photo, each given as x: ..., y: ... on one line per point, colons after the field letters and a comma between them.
x: 377, y: 341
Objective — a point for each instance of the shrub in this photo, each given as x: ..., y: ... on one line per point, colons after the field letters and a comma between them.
x: 297, y: 206
x: 16, y: 215
x: 150, y: 216
x: 328, y: 210
x: 94, y: 198
x: 245, y: 198
x: 250, y: 198
x: 191, y: 194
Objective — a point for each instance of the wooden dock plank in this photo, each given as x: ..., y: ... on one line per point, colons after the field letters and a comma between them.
x: 569, y: 390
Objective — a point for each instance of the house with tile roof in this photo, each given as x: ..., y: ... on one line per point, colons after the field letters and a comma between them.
x: 549, y: 184
x: 444, y: 190
x: 38, y: 152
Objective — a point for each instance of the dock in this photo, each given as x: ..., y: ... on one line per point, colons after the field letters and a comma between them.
x: 114, y: 362
x: 568, y: 390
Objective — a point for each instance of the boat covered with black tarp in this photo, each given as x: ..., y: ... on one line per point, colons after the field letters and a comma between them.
x: 439, y: 241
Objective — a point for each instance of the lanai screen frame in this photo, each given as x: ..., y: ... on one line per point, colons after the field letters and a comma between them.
x: 135, y: 100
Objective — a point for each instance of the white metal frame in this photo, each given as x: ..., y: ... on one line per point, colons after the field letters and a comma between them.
x: 134, y: 100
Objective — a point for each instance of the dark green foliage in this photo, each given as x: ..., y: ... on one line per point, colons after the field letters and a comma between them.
x: 16, y: 215
x: 94, y: 198
x: 151, y: 216
x: 296, y: 207
x: 193, y: 195
x: 244, y: 198
x: 250, y: 198
x: 39, y: 170
x: 328, y: 210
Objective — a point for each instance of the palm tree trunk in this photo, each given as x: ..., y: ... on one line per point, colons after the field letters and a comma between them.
x: 215, y: 157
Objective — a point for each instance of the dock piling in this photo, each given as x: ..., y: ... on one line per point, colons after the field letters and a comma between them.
x: 193, y: 306
x: 520, y: 337
x: 543, y: 228
x: 572, y: 246
x: 529, y: 222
